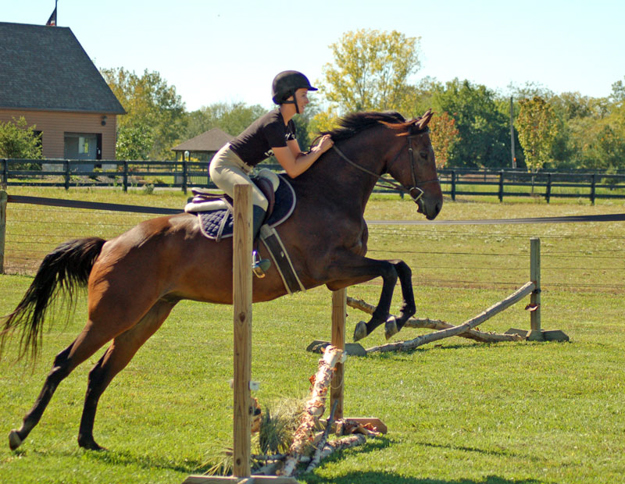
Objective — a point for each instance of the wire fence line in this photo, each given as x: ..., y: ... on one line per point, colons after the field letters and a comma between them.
x: 473, y: 257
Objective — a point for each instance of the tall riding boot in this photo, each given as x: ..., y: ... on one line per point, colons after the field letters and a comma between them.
x: 259, y: 266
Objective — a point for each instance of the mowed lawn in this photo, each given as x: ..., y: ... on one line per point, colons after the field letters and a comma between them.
x: 457, y: 411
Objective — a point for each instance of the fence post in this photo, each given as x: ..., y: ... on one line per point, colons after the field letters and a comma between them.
x: 548, y: 191
x: 185, y: 169
x: 453, y: 185
x: 593, y: 188
x: 66, y: 166
x: 125, y: 177
x: 501, y: 186
x: 535, y: 278
x: 3, y: 224
x: 5, y: 175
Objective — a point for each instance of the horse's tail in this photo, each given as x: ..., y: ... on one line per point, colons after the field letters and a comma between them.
x: 62, y: 270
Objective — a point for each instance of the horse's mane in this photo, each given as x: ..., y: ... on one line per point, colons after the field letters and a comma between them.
x: 354, y: 123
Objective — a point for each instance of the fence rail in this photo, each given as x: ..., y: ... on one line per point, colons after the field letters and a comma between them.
x: 184, y: 174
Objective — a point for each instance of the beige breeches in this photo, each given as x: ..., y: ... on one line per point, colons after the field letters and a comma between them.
x: 227, y: 170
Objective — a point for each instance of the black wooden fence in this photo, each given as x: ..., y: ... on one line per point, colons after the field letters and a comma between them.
x: 184, y: 174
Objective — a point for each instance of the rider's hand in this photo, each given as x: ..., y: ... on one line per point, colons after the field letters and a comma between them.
x: 324, y: 144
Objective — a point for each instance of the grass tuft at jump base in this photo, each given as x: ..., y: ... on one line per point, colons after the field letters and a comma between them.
x: 457, y: 411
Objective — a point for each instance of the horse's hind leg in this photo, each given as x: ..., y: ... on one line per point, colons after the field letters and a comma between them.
x: 87, y: 343
x: 115, y: 359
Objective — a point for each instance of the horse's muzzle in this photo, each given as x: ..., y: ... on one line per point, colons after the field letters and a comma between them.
x: 429, y: 207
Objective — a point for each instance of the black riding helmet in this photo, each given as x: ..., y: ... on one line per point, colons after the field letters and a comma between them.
x: 286, y: 83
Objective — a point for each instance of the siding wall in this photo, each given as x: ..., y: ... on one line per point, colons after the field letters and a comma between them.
x: 55, y: 124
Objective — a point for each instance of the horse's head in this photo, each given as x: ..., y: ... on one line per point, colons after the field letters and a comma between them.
x: 413, y: 165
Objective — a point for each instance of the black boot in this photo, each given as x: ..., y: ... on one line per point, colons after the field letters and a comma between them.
x: 259, y: 266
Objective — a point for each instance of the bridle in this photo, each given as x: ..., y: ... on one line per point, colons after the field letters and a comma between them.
x: 415, y: 191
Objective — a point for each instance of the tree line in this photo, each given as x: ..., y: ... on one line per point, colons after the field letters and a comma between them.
x: 373, y: 71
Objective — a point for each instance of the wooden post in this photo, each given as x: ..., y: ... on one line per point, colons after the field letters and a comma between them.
x: 535, y: 278
x: 339, y: 310
x: 453, y: 185
x: 242, y: 286
x: 185, y: 173
x: 3, y: 224
x: 242, y: 301
x: 66, y: 167
x: 4, y: 181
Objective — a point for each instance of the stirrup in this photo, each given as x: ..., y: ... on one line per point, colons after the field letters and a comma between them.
x: 259, y: 266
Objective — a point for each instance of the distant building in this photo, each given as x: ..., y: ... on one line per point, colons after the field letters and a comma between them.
x: 204, y: 146
x: 47, y: 77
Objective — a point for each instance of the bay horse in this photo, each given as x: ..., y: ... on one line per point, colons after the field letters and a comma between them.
x: 136, y: 279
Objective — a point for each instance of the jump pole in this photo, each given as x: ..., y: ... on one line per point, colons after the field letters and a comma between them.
x: 339, y: 313
x: 242, y: 311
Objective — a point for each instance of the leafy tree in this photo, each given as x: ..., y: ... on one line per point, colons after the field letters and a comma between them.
x: 481, y: 124
x: 134, y: 143
x: 153, y: 108
x: 371, y: 71
x: 538, y: 127
x: 444, y: 136
x: 231, y: 118
x: 18, y: 140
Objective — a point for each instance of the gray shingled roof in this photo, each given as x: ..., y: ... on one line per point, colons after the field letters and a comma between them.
x: 211, y: 140
x: 46, y: 68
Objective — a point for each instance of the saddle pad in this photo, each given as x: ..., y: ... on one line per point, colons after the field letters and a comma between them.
x: 219, y: 224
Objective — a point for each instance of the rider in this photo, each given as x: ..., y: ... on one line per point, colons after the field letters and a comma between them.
x: 273, y: 133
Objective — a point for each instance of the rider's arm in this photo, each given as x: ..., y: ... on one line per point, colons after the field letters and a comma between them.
x: 294, y: 161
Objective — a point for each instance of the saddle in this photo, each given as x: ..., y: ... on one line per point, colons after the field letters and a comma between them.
x: 215, y: 211
x: 216, y: 218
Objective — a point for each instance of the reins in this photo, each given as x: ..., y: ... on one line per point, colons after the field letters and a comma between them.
x: 385, y: 182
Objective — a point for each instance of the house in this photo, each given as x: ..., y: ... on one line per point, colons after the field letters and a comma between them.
x: 47, y: 77
x: 204, y: 146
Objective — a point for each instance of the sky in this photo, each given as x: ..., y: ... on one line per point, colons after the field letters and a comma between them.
x: 229, y: 50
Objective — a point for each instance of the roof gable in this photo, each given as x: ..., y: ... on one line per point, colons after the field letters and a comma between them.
x: 46, y: 68
x: 212, y: 140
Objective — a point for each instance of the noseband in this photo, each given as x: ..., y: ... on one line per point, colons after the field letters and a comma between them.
x: 415, y: 191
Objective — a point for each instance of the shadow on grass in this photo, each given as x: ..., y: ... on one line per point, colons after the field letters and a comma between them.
x: 146, y: 462
x: 372, y: 477
x: 390, y: 478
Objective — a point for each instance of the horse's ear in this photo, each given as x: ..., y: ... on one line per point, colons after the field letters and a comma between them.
x: 423, y: 121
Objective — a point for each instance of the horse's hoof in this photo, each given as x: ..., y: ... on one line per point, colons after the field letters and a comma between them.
x: 90, y: 444
x: 390, y: 328
x: 360, y: 331
x: 14, y: 440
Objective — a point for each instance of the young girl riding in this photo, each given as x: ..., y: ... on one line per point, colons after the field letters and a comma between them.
x: 273, y: 133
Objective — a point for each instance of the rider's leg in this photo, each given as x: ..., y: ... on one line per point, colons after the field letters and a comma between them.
x: 227, y: 170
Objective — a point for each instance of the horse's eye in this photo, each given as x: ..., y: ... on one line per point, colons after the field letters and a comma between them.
x: 424, y: 155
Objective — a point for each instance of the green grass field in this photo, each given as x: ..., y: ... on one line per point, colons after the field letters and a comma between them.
x: 457, y: 411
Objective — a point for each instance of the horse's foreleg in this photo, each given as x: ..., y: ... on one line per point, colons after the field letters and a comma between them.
x: 408, y: 308
x: 114, y: 360
x: 381, y: 313
x: 355, y: 270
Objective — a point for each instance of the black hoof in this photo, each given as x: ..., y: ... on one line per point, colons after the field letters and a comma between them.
x: 14, y: 440
x: 90, y: 444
